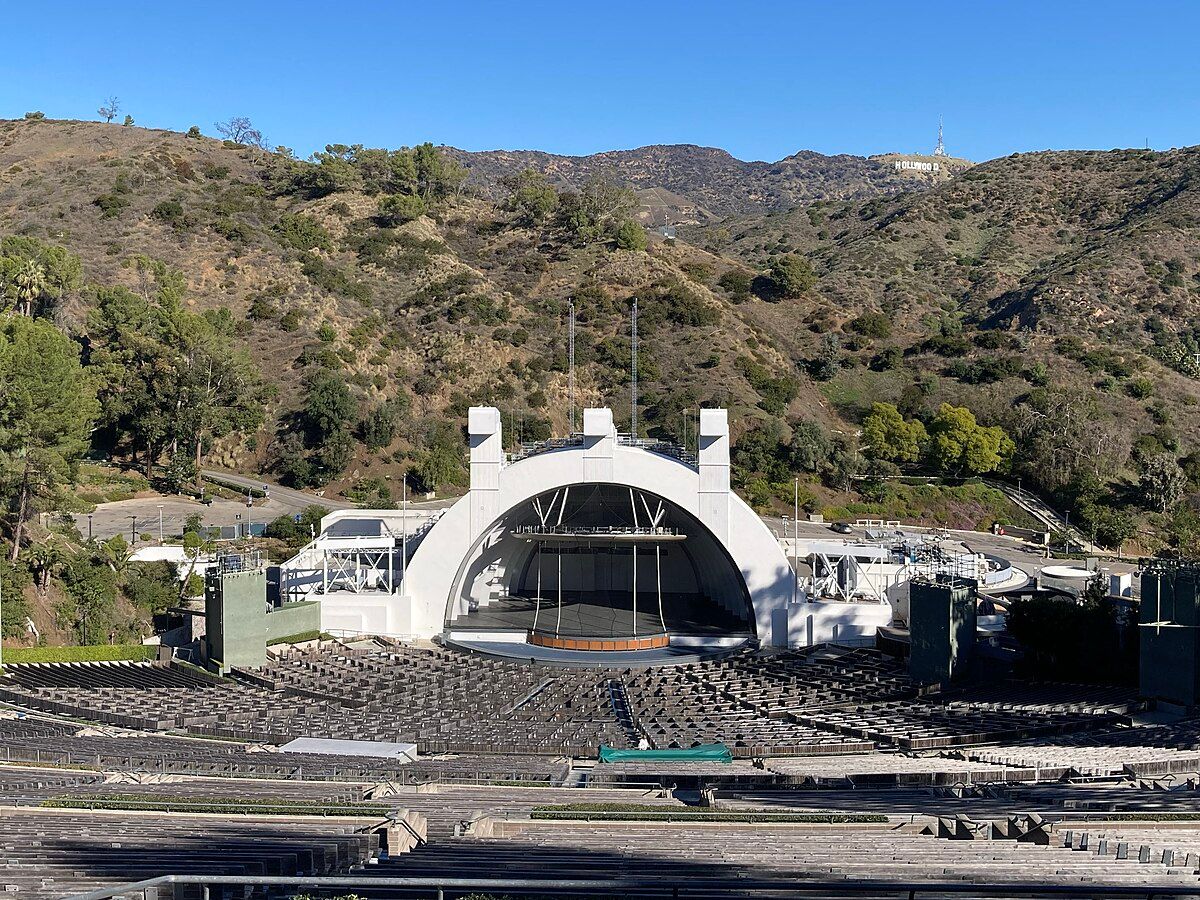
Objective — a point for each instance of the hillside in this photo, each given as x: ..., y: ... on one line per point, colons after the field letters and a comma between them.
x: 683, y: 183
x: 1055, y: 295
x: 1087, y: 261
x: 457, y: 307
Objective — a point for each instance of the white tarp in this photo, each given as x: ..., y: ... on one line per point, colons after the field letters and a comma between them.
x: 382, y: 749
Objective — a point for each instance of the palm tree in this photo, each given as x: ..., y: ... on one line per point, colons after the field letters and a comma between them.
x: 30, y: 281
x: 44, y: 559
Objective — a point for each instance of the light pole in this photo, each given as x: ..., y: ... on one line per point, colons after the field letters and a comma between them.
x: 796, y: 540
x: 404, y: 532
x: 132, y: 530
x: 160, y: 524
x: 89, y: 528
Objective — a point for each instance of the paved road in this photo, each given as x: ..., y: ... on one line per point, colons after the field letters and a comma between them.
x: 288, y: 498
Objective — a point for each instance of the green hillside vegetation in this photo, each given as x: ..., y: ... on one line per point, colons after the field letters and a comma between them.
x: 193, y: 302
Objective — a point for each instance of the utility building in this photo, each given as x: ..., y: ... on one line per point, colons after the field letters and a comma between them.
x: 240, y: 623
x: 941, y: 626
x: 1169, y: 629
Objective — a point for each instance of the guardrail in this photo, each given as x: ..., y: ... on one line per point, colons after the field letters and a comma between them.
x: 627, y: 887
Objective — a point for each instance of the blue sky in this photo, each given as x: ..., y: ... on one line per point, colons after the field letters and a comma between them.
x: 759, y: 79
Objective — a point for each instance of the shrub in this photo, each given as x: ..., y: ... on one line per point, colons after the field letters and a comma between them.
x: 151, y: 586
x: 791, y: 275
x: 631, y: 236
x: 396, y: 209
x: 1140, y: 388
x: 736, y: 283
x: 110, y: 205
x: 89, y: 653
x: 871, y: 324
x: 301, y: 232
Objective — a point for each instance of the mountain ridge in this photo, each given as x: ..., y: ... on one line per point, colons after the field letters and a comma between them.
x: 716, y: 183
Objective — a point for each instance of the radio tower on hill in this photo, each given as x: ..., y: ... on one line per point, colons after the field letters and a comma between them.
x: 940, y: 149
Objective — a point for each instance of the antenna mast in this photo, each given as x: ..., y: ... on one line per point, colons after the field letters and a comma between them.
x: 633, y: 391
x: 940, y: 149
x: 571, y: 361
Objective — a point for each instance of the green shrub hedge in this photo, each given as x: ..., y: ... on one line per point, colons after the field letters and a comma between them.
x: 221, y: 805
x: 633, y: 812
x: 96, y: 653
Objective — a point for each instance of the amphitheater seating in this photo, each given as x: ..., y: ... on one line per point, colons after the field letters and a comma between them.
x: 1143, y: 751
x: 889, y: 768
x: 53, y: 853
x: 914, y: 725
x: 847, y: 722
x: 449, y: 701
x: 677, y: 853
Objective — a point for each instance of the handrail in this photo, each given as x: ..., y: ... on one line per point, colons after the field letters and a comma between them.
x: 667, y: 886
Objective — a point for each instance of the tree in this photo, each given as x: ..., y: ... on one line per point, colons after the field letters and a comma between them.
x: 328, y: 445
x: 438, y: 175
x: 128, y: 121
x: 596, y: 212
x: 958, y: 445
x: 845, y: 464
x: 109, y: 108
x: 172, y: 381
x: 442, y: 463
x: 396, y: 209
x: 29, y: 283
x: 531, y: 196
x: 889, y: 437
x: 809, y: 447
x: 791, y: 275
x: 328, y: 407
x: 737, y: 283
x: 334, y: 172
x: 37, y: 277
x: 1061, y: 435
x: 44, y: 560
x: 631, y: 236
x: 47, y: 406
x: 378, y: 429
x: 91, y: 594
x: 760, y: 451
x: 1162, y: 481
x: 220, y: 391
x: 241, y: 130
x: 826, y: 365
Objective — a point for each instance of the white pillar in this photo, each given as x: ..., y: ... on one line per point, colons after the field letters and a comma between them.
x: 599, y: 445
x: 487, y: 457
x: 714, y: 472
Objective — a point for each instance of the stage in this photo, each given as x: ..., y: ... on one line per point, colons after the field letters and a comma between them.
x: 604, y: 615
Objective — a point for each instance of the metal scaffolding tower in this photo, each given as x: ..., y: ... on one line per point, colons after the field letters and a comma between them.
x: 571, y: 362
x: 633, y: 366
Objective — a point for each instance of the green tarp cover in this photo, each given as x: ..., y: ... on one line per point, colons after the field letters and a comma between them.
x: 703, y: 753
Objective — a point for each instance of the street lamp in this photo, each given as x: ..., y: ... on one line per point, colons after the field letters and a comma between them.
x: 89, y: 528
x: 132, y: 530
